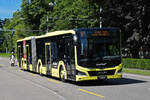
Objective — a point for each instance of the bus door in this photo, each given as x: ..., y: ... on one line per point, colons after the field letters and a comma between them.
x: 19, y: 55
x: 48, y: 59
x: 28, y: 56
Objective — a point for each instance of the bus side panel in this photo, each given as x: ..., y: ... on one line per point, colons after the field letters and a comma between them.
x: 34, y: 55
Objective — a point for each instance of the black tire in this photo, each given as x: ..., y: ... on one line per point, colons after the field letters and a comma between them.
x: 12, y: 64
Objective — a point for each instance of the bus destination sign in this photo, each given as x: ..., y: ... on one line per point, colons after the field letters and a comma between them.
x: 101, y: 33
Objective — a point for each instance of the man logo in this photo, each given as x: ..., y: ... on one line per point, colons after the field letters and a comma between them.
x: 101, y: 64
x: 102, y: 73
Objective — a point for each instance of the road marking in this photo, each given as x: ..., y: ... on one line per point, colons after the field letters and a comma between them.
x: 20, y: 70
x: 149, y: 89
x: 44, y: 87
x: 99, y: 95
x: 51, y: 80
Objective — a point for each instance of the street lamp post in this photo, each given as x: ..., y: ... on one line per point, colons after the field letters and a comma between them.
x: 51, y: 4
x: 47, y: 23
x: 100, y: 23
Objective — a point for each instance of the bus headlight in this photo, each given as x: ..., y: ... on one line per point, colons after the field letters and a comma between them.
x: 80, y: 73
x: 75, y: 38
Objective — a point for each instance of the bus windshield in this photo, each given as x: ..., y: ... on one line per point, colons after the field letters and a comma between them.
x: 98, y: 47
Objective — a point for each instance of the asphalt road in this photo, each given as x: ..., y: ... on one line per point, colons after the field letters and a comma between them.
x: 16, y: 84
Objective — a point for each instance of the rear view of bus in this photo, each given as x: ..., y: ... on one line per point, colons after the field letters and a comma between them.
x: 98, y: 54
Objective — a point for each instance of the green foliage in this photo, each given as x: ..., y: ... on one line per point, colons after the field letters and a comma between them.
x: 70, y: 14
x: 137, y: 71
x: 136, y: 63
x: 5, y: 54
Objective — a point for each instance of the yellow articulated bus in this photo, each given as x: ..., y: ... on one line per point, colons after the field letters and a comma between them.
x: 77, y: 55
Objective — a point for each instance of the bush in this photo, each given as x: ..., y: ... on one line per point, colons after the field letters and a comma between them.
x: 136, y: 63
x: 5, y: 54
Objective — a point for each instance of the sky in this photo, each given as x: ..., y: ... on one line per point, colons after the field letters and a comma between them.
x: 7, y: 7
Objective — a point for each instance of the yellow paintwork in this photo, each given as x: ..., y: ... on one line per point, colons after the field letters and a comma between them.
x: 56, y: 33
x: 47, y: 44
x: 30, y: 67
x: 17, y: 63
x: 55, y: 71
x: 25, y: 67
x: 37, y: 68
x: 23, y: 64
x: 75, y: 53
x: 87, y: 77
x: 61, y: 63
x: 84, y: 78
x: 27, y: 38
x: 98, y: 95
x: 43, y: 70
x: 49, y: 35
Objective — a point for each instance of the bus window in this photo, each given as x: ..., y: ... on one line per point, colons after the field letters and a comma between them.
x: 54, y: 51
x: 28, y: 54
x: 47, y: 54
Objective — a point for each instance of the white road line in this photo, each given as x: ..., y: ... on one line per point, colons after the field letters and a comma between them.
x: 40, y: 86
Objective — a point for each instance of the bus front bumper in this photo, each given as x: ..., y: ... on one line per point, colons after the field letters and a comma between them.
x: 84, y: 78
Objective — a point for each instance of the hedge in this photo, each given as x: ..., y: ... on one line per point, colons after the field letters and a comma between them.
x: 5, y: 54
x: 136, y: 63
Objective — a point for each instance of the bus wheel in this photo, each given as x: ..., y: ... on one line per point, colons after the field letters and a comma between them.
x: 62, y: 74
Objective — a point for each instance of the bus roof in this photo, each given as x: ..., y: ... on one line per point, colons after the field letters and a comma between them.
x: 27, y: 38
x: 55, y: 33
x: 49, y: 34
x: 90, y: 29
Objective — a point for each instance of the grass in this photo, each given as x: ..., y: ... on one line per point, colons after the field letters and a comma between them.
x: 143, y: 64
x: 5, y: 54
x: 137, y: 71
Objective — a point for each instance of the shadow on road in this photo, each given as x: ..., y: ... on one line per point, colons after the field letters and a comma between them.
x: 122, y: 81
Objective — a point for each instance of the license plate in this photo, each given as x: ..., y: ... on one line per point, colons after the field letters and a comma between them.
x: 102, y: 77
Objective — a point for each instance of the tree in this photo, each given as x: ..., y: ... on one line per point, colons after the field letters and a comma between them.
x: 1, y: 35
x: 33, y: 12
x: 131, y: 16
x: 71, y: 14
